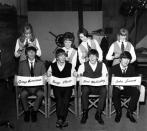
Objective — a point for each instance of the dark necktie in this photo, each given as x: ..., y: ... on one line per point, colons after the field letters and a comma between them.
x: 123, y: 72
x: 89, y: 48
x: 32, y: 69
x: 66, y: 53
x: 122, y: 47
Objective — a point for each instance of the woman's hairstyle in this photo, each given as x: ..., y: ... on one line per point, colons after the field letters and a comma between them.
x: 26, y: 27
x: 84, y: 32
x: 126, y: 54
x: 93, y: 52
x: 60, y: 51
x: 68, y: 36
x: 122, y: 32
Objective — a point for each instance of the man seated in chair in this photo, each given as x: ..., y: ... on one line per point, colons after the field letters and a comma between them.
x: 61, y: 69
x: 124, y: 69
x: 31, y: 67
x: 93, y: 69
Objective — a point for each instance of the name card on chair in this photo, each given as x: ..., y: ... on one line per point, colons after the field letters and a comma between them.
x: 62, y: 82
x: 94, y: 81
x: 29, y: 81
x: 126, y: 81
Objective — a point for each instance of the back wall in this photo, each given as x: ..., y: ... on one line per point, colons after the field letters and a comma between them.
x: 56, y: 22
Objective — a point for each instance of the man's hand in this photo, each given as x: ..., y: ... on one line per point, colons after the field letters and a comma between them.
x: 49, y: 74
x: 120, y: 87
x: 19, y: 51
x: 116, y: 56
x: 75, y: 74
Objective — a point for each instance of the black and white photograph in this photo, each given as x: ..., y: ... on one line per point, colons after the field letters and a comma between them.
x: 73, y: 65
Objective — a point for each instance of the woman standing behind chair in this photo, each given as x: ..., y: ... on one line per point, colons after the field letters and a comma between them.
x: 87, y: 44
x: 27, y: 38
x: 68, y: 39
x: 71, y: 53
x: 122, y: 44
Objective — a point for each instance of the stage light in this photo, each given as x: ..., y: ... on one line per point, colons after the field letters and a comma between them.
x: 128, y: 8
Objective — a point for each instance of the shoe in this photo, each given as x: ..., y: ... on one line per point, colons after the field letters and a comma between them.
x: 130, y: 116
x: 98, y: 117
x: 118, y: 117
x: 34, y: 116
x: 59, y: 123
x: 65, y: 124
x: 27, y: 116
x: 84, y: 117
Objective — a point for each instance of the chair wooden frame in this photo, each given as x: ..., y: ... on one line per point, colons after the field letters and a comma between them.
x: 124, y: 100
x: 92, y: 102
x: 51, y: 105
x: 30, y: 99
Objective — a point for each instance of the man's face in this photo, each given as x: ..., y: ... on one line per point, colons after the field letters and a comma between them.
x: 31, y: 54
x: 92, y: 59
x: 61, y: 58
x: 67, y: 44
x: 124, y: 62
x: 82, y: 37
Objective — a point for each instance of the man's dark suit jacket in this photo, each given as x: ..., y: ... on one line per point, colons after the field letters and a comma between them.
x: 116, y: 70
x: 24, y: 69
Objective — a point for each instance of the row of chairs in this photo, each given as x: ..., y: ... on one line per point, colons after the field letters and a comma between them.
x: 49, y: 103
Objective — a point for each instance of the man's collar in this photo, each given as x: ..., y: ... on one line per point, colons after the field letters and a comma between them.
x: 31, y: 61
x: 93, y: 64
x: 59, y: 64
x: 123, y: 68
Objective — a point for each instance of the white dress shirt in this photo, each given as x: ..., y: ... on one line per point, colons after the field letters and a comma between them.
x: 110, y: 56
x: 123, y: 68
x: 31, y: 62
x: 81, y: 69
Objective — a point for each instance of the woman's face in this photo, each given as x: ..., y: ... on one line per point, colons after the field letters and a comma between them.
x: 122, y: 38
x: 28, y: 33
x: 67, y: 44
x: 82, y: 37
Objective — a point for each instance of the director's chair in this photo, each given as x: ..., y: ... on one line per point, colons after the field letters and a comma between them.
x: 93, y: 98
x: 62, y: 82
x: 123, y: 81
x: 26, y: 82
